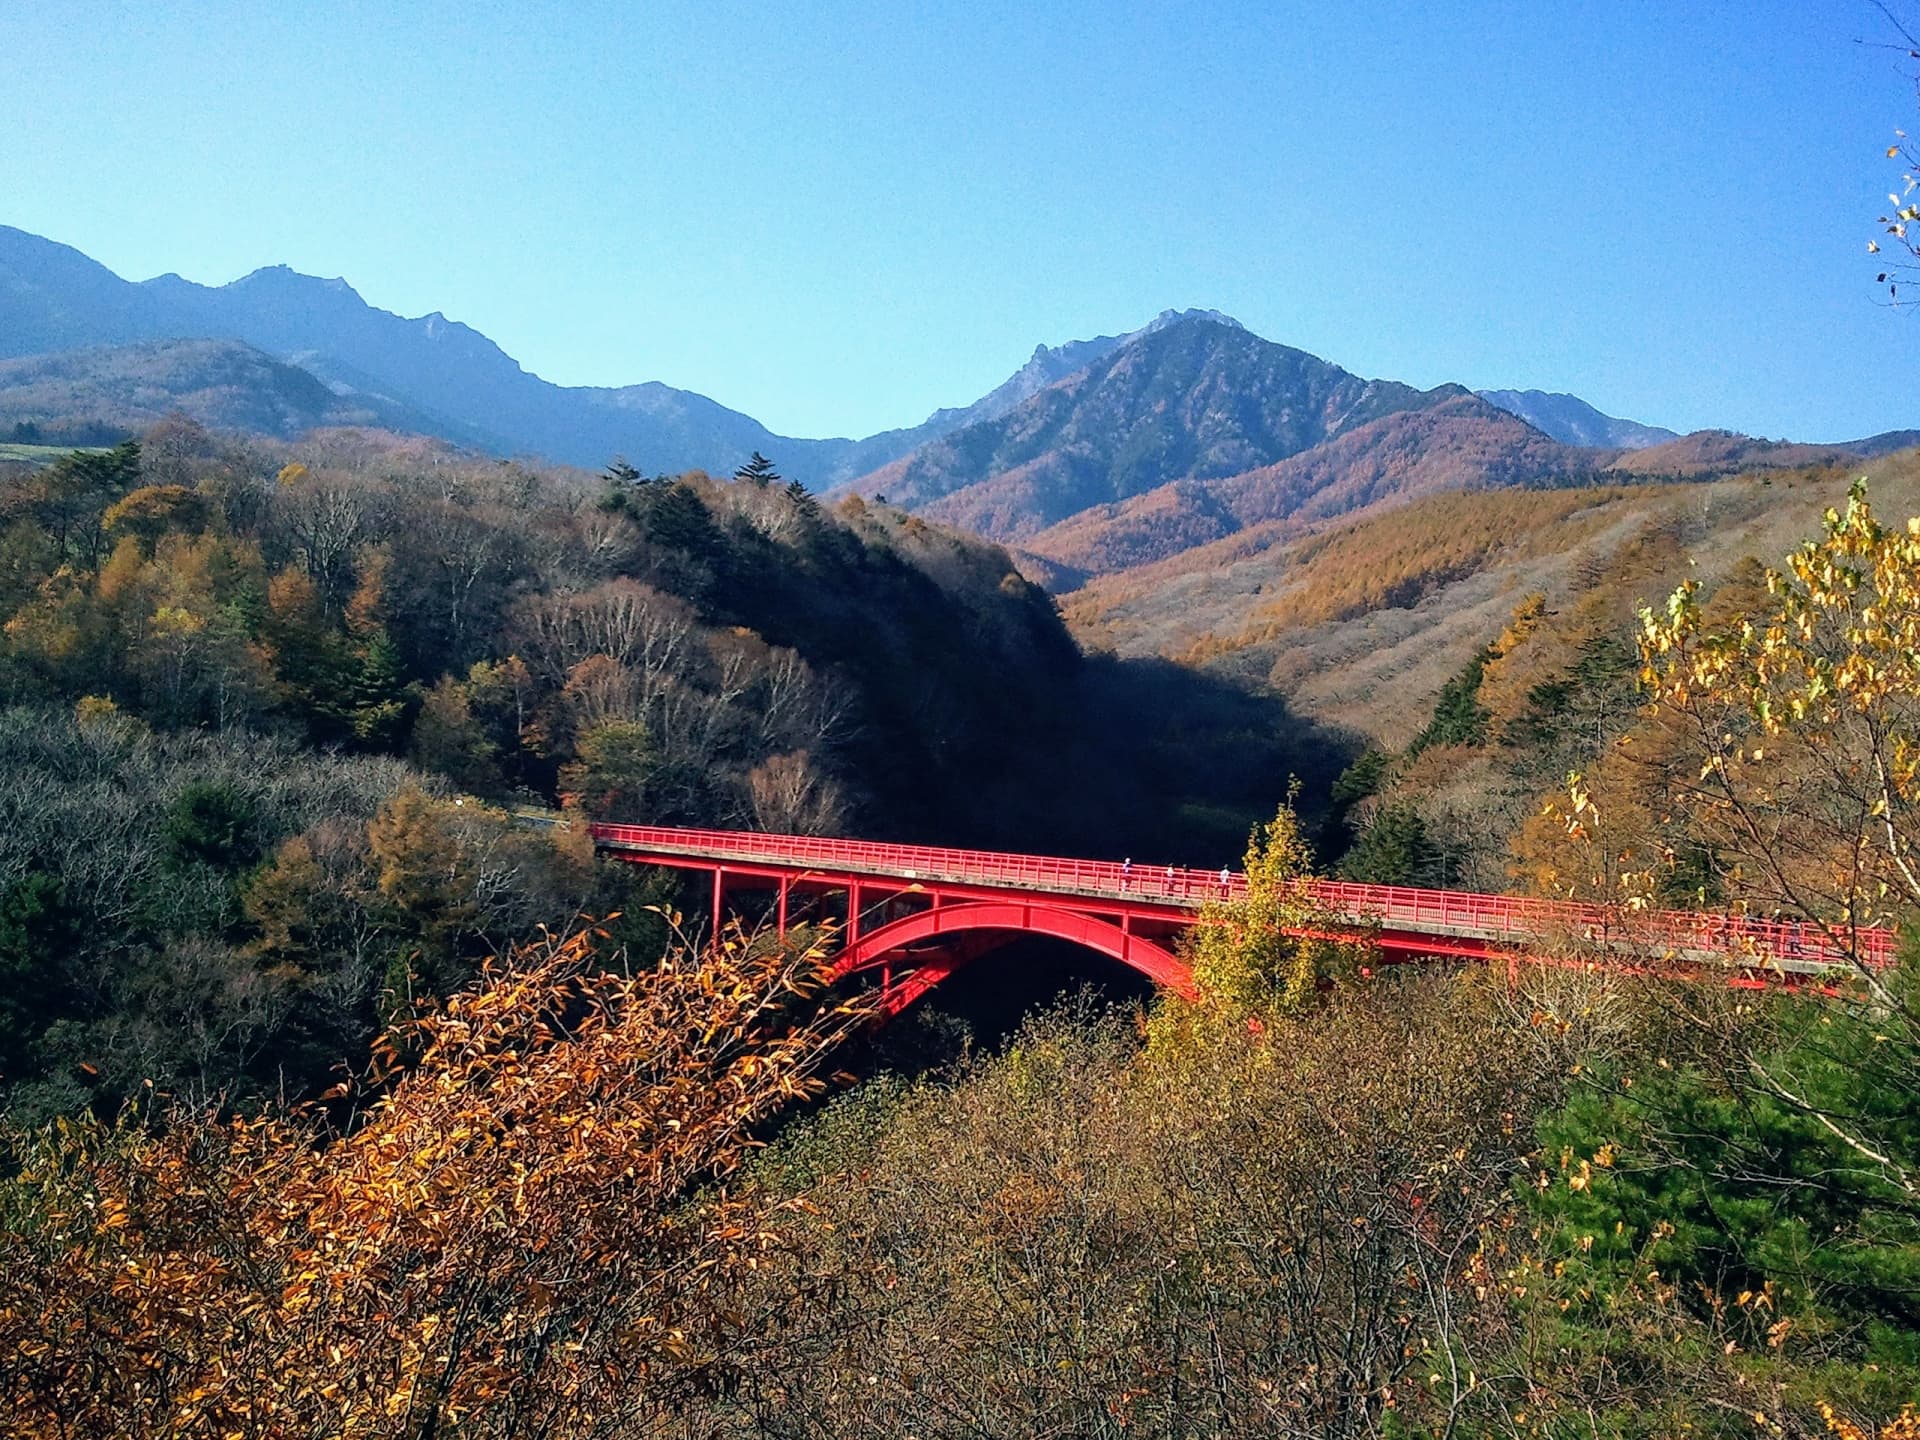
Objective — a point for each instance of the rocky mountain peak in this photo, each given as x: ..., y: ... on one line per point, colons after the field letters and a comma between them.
x: 1174, y: 317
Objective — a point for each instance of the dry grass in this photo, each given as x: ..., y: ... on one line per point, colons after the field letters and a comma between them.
x: 35, y: 457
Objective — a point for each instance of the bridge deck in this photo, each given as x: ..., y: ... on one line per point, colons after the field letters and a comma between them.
x: 1493, y: 921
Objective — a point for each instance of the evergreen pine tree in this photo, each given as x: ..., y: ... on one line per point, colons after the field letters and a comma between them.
x: 1458, y: 716
x: 758, y: 469
x: 380, y: 694
x: 803, y: 500
x: 679, y: 518
x: 1395, y: 850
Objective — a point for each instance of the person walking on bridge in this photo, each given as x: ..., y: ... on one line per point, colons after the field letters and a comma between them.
x: 1126, y: 873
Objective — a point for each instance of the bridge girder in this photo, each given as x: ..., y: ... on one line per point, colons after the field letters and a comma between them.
x: 893, y: 945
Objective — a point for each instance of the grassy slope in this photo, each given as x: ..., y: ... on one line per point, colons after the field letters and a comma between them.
x: 38, y: 455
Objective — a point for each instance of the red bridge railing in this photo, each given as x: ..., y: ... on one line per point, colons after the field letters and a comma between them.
x: 1456, y: 913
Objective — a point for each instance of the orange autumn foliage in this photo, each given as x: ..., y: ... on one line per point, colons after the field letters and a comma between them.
x: 1904, y: 1426
x: 516, y: 1231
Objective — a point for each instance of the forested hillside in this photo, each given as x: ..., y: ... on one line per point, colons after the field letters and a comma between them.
x: 321, y: 1100
x: 119, y: 391
x: 247, y: 685
x: 596, y: 1191
x: 1458, y: 442
x: 1196, y: 398
x: 1194, y: 430
x: 1479, y: 645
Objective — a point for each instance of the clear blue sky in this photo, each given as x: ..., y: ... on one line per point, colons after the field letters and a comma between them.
x: 837, y: 216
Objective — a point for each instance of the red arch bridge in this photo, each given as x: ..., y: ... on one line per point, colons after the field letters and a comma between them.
x: 914, y: 914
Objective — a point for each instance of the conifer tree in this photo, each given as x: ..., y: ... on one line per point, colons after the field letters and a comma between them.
x: 380, y: 694
x: 1458, y: 716
x: 1396, y: 850
x: 758, y: 469
x: 679, y: 518
x: 802, y: 500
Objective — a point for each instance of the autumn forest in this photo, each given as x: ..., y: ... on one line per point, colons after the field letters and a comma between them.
x: 347, y: 1090
x: 1532, y: 1048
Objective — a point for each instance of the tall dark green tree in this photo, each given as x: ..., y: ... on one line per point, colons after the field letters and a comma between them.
x: 758, y: 470
x: 679, y: 519
x: 382, y: 700
x: 37, y: 930
x: 1458, y: 716
x: 1395, y: 850
x: 212, y: 823
x: 76, y: 491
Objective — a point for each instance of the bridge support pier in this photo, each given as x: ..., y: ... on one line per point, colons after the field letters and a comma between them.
x: 780, y: 925
x: 719, y: 902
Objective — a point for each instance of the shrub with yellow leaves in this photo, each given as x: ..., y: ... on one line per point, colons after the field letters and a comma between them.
x: 1904, y: 1426
x: 1804, y: 718
x: 1267, y: 951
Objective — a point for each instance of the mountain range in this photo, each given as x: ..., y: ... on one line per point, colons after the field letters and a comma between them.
x: 1096, y: 455
x: 428, y: 375
x: 221, y: 383
x: 1196, y: 430
x: 1572, y: 421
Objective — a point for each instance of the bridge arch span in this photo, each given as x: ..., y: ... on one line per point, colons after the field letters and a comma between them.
x: 969, y: 929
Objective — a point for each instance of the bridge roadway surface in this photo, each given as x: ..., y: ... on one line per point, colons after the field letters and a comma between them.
x: 927, y: 910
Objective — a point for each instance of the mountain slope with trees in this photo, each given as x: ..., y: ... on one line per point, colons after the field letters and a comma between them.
x: 53, y: 298
x: 222, y: 384
x: 1195, y: 399
x: 1572, y: 421
x: 1483, y: 640
x: 1378, y: 592
x: 1194, y: 430
x: 1457, y: 443
x: 264, y: 707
